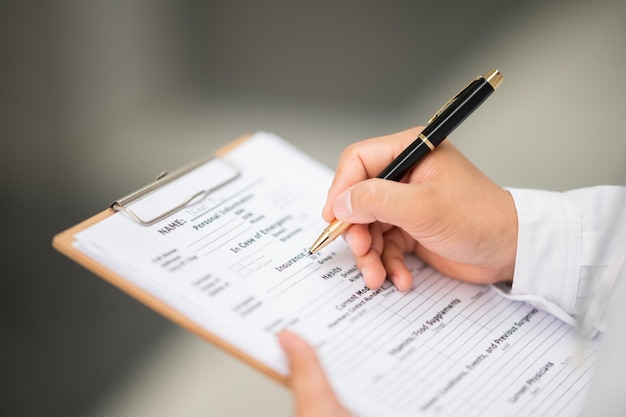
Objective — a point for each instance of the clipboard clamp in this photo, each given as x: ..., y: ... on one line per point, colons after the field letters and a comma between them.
x: 165, y: 178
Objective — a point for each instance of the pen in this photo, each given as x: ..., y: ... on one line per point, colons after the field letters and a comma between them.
x: 439, y: 127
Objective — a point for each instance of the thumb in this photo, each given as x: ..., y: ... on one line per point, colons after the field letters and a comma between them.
x: 381, y: 200
x: 312, y: 392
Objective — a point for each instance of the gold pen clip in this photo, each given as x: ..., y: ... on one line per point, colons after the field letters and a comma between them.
x: 493, y: 77
x: 449, y: 102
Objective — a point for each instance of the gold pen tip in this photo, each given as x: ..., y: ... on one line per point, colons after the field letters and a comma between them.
x: 334, y: 229
x: 320, y: 243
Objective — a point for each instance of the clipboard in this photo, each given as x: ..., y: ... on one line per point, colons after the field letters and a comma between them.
x: 63, y: 242
x: 322, y: 298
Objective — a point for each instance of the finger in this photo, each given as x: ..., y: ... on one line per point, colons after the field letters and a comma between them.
x: 404, y: 205
x: 312, y: 392
x: 370, y: 264
x: 366, y: 159
x: 359, y: 239
x: 397, y: 243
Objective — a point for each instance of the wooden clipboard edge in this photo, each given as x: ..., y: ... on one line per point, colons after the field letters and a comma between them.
x: 63, y: 242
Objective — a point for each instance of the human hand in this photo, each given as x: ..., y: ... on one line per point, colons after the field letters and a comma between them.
x: 446, y: 211
x: 312, y: 392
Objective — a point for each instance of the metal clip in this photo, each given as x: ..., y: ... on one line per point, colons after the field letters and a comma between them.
x: 164, y: 178
x: 449, y: 102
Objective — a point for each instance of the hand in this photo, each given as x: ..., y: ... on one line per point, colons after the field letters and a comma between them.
x: 313, y: 394
x: 446, y: 211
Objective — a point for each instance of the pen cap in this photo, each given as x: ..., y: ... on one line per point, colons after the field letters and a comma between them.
x: 493, y: 77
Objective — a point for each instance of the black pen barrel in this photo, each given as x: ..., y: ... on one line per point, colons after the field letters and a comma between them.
x: 444, y: 123
x: 405, y: 161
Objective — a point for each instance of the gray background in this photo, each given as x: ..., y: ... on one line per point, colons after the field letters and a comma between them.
x: 97, y: 97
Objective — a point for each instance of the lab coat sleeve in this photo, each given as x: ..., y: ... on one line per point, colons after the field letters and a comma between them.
x: 571, y: 245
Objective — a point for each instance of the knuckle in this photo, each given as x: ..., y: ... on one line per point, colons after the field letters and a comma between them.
x: 351, y: 151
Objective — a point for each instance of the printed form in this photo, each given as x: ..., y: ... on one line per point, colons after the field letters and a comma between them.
x: 236, y: 263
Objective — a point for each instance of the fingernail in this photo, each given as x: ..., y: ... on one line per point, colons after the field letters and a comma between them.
x: 343, y: 205
x: 348, y: 238
x: 393, y: 279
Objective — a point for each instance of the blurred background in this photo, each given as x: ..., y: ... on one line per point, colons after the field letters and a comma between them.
x: 98, y: 97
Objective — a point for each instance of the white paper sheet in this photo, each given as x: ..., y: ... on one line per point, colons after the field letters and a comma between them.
x: 236, y: 264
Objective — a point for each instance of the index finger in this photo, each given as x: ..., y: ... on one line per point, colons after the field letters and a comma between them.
x: 366, y: 159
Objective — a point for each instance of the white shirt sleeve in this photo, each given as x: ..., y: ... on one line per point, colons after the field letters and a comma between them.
x: 570, y: 246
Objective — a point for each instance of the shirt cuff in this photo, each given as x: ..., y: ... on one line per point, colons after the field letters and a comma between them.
x: 548, y: 259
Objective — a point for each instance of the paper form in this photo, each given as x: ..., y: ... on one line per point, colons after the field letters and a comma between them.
x: 236, y: 263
